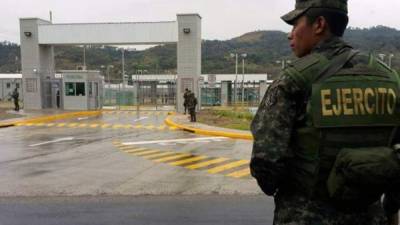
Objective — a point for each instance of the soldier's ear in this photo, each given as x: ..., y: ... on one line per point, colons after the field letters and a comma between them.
x: 320, y: 26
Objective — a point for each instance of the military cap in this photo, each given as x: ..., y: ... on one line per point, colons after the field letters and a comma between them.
x: 303, y: 5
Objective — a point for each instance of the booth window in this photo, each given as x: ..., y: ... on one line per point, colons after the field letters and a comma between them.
x: 80, y: 89
x: 75, y: 89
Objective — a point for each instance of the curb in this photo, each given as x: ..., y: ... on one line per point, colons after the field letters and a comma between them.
x: 42, y: 119
x: 170, y: 123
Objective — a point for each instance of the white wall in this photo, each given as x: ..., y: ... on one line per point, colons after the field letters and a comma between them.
x: 109, y: 33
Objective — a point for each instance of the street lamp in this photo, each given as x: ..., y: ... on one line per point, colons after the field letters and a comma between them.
x: 108, y: 78
x: 235, y: 55
x: 243, y: 57
x: 382, y: 56
x: 390, y: 60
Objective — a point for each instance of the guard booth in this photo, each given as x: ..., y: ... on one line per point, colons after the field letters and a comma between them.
x: 83, y: 89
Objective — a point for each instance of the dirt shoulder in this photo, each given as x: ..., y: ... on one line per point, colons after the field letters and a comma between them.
x: 226, y: 119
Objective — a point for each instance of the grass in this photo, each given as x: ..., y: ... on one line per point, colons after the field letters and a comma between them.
x: 239, y: 120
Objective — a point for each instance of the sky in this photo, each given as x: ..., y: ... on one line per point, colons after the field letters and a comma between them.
x: 221, y: 19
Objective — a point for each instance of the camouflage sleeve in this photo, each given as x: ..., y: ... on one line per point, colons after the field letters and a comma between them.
x: 272, y: 128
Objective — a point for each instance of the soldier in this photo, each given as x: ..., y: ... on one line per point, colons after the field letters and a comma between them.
x: 15, y: 96
x: 191, y: 104
x: 316, y: 118
x: 185, y: 99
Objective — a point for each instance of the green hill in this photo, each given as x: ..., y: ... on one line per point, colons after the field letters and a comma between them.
x: 263, y: 48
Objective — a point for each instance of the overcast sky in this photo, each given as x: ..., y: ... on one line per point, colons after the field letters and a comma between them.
x: 222, y: 19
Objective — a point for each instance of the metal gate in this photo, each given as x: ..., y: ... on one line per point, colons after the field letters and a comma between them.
x: 144, y: 94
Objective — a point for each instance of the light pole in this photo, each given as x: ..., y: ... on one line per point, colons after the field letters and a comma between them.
x: 235, y: 55
x: 109, y: 82
x: 382, y: 56
x: 243, y: 57
x: 390, y: 60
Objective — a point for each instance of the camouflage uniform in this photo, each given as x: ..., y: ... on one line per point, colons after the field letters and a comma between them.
x: 282, y: 110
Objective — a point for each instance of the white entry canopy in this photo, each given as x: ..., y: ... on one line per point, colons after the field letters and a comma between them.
x: 108, y: 33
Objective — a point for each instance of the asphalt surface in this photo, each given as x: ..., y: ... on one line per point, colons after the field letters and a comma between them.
x: 188, y: 210
x: 124, y: 162
x: 92, y: 156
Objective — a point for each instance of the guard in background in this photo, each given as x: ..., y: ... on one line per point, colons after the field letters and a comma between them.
x: 185, y: 99
x: 191, y: 104
x: 15, y: 96
x: 325, y: 131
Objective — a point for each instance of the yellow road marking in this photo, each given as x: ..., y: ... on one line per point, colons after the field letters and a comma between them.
x: 83, y: 125
x: 162, y: 127
x: 124, y: 147
x: 61, y: 125
x: 94, y: 125
x: 173, y: 128
x: 39, y: 124
x: 50, y: 124
x: 159, y: 155
x: 147, y: 152
x: 178, y: 156
x: 150, y: 127
x: 29, y: 124
x: 105, y: 125
x: 206, y: 163
x: 138, y: 126
x: 240, y: 173
x: 127, y: 126
x: 181, y: 162
x: 117, y: 126
x: 73, y: 124
x: 228, y: 166
x: 136, y: 150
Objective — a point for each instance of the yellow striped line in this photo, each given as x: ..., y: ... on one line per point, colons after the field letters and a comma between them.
x: 149, y: 152
x: 178, y: 156
x: 61, y: 124
x: 127, y: 126
x: 124, y: 147
x: 73, y: 124
x: 240, y: 173
x: 39, y: 124
x: 206, y: 163
x: 189, y: 160
x: 117, y: 126
x: 138, y: 126
x: 94, y: 125
x: 105, y: 125
x: 83, y: 125
x: 150, y: 127
x: 228, y: 166
x: 136, y: 150
x: 29, y: 124
x: 158, y: 155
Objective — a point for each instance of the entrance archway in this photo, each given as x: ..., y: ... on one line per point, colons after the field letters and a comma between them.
x: 39, y: 36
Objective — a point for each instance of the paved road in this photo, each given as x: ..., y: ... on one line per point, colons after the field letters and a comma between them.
x: 46, y: 168
x: 120, y: 153
x: 187, y: 210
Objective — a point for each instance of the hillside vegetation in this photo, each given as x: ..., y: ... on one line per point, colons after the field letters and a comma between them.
x: 263, y: 48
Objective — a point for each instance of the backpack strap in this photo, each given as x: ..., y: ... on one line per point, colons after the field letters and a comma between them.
x: 337, y: 63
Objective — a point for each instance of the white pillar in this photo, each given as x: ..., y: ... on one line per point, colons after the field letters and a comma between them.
x: 189, y: 56
x: 37, y: 63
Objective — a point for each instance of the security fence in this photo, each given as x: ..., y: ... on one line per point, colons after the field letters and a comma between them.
x: 149, y: 94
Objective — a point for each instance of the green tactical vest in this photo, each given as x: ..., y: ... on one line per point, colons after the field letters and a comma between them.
x: 354, y: 108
